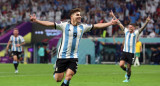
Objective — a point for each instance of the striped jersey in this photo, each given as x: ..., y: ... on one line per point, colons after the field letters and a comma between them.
x: 70, y: 38
x: 14, y: 41
x: 130, y: 40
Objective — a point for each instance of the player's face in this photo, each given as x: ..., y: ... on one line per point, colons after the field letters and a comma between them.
x: 15, y: 32
x: 76, y: 17
x: 131, y: 28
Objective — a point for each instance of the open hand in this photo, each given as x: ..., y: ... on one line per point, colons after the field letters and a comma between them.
x: 111, y: 13
x: 114, y: 21
x: 148, y: 18
x: 33, y: 17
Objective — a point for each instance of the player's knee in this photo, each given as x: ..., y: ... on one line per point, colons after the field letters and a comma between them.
x: 15, y: 58
x: 58, y: 79
x: 69, y: 77
x: 121, y: 65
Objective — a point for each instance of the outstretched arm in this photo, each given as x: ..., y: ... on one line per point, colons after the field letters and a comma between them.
x: 142, y: 28
x: 103, y: 25
x: 119, y: 23
x: 45, y: 23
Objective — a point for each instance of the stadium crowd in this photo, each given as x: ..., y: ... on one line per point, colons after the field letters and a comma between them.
x: 93, y: 11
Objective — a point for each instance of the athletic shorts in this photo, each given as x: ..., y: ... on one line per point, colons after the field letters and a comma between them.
x: 127, y: 57
x: 63, y: 64
x: 18, y: 54
x: 137, y: 54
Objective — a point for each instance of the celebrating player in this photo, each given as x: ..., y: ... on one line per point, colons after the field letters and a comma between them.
x: 129, y: 46
x: 73, y: 30
x: 16, y: 42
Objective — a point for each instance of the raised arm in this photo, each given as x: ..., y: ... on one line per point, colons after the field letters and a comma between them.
x: 142, y: 28
x: 103, y: 25
x: 119, y: 23
x: 45, y: 23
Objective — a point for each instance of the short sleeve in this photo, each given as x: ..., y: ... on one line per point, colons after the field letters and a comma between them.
x: 137, y: 32
x: 22, y: 39
x: 87, y: 27
x: 59, y: 25
x: 125, y: 30
x: 11, y: 38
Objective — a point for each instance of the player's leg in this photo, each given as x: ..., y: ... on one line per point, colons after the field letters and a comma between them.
x: 15, y: 62
x: 58, y: 76
x: 71, y: 70
x: 68, y: 77
x: 60, y: 68
x: 129, y: 63
x: 122, y: 61
x: 135, y: 62
x: 18, y: 54
x: 138, y: 59
x: 128, y: 71
x: 122, y: 65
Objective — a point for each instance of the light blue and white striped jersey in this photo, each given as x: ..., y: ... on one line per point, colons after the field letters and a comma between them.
x: 130, y: 40
x: 70, y: 38
x: 16, y: 40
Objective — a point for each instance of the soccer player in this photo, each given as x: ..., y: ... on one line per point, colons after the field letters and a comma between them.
x: 138, y: 51
x: 72, y: 30
x: 16, y: 42
x: 129, y: 45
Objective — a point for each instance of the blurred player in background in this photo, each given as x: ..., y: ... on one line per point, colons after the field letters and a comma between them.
x: 118, y: 50
x: 16, y: 42
x: 138, y: 52
x: 72, y: 30
x: 131, y: 36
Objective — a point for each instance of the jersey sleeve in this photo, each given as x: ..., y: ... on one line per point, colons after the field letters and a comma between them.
x: 87, y: 27
x: 125, y: 30
x: 22, y: 39
x: 59, y: 25
x: 137, y: 32
x: 10, y: 39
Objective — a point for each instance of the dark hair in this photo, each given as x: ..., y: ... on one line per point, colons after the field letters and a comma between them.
x: 16, y: 29
x: 74, y: 10
x: 133, y: 24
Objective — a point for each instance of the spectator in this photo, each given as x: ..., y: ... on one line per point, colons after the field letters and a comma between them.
x: 152, y: 34
x: 46, y: 55
x: 58, y: 15
x: 93, y: 10
x: 150, y: 27
x: 157, y: 30
x: 41, y: 54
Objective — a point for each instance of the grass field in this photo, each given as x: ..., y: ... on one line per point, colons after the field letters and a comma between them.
x: 87, y: 75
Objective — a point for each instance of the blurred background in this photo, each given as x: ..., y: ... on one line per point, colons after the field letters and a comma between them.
x: 97, y: 46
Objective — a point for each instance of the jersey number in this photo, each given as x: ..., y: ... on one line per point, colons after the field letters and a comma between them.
x: 74, y: 35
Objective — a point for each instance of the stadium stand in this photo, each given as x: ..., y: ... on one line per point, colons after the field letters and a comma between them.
x: 93, y: 11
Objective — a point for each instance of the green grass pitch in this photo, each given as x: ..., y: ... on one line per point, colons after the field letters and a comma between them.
x: 87, y: 75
